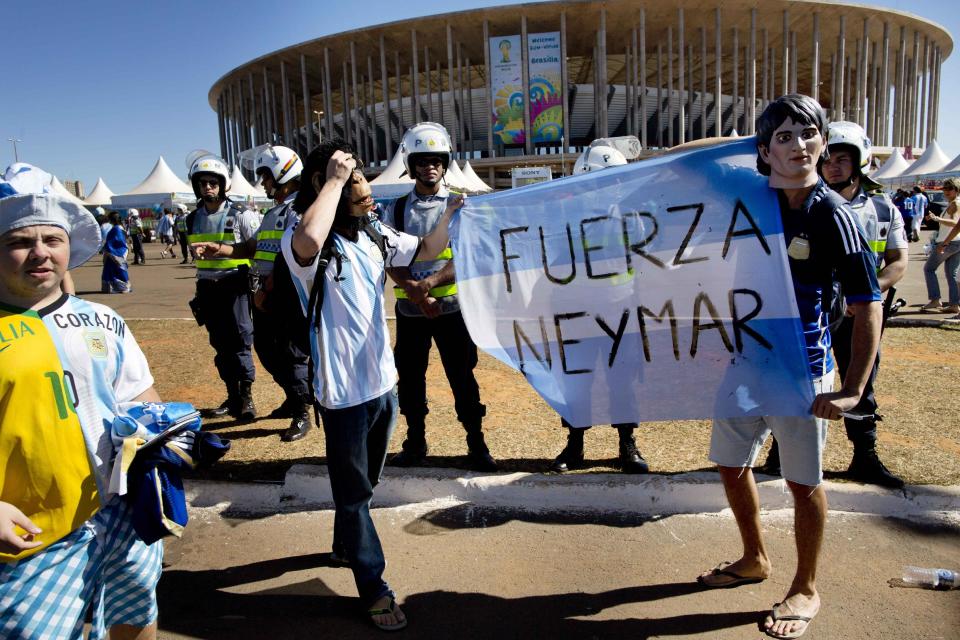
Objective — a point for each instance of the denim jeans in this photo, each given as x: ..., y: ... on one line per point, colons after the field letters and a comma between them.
x: 950, y: 256
x: 357, y: 439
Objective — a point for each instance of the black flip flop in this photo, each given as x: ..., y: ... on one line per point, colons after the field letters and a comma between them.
x: 796, y: 634
x: 737, y: 580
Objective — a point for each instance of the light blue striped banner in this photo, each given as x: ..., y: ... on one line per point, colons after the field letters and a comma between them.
x: 658, y: 290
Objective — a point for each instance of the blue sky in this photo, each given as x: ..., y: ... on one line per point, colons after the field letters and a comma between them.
x: 102, y: 88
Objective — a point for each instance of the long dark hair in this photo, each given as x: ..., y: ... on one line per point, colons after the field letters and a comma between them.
x: 316, y: 165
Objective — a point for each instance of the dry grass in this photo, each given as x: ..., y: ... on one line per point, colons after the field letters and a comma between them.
x: 919, y: 437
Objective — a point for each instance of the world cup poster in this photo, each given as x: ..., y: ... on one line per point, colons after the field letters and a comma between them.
x: 546, y: 109
x: 506, y: 82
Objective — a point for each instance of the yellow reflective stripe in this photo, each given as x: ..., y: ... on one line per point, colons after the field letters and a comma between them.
x: 210, y: 237
x: 269, y: 235
x: 446, y: 254
x: 268, y: 256
x: 878, y: 246
x: 437, y: 292
x: 222, y: 264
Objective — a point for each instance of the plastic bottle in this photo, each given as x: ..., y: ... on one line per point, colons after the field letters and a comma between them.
x: 935, y: 578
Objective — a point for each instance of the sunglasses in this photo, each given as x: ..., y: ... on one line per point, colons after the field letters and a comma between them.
x: 208, y: 182
x: 428, y: 162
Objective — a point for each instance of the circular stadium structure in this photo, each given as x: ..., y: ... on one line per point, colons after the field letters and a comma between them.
x: 531, y: 84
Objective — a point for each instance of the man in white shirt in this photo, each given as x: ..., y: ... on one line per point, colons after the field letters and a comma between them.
x: 354, y: 376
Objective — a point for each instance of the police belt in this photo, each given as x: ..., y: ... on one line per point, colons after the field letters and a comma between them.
x: 217, y: 263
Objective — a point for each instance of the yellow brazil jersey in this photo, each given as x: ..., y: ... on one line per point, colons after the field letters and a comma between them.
x: 64, y: 371
x: 47, y: 472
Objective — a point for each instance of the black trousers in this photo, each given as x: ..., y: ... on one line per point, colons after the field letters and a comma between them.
x: 225, y: 310
x: 459, y: 357
x: 858, y: 431
x: 138, y: 255
x: 280, y: 345
x: 624, y: 429
x: 184, y: 250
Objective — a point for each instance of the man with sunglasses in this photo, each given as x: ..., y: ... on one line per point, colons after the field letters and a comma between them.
x: 222, y: 302
x: 428, y: 309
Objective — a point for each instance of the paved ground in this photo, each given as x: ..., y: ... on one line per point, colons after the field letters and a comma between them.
x: 463, y: 572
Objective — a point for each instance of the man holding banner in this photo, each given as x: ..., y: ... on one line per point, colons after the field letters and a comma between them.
x: 824, y: 244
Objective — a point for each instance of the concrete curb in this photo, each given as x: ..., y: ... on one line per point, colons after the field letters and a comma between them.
x: 944, y: 321
x: 307, y: 487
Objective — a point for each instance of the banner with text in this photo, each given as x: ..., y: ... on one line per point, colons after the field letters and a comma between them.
x: 546, y: 110
x: 654, y: 291
x: 506, y: 83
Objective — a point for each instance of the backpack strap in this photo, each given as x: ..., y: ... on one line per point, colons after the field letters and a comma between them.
x: 399, y: 220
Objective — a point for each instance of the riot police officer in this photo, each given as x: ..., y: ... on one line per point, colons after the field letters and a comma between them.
x: 280, y: 332
x: 222, y: 301
x: 427, y: 306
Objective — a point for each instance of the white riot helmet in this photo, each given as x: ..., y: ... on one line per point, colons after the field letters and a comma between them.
x: 283, y: 163
x: 597, y: 158
x: 852, y: 135
x: 133, y: 213
x: 213, y: 165
x: 426, y: 138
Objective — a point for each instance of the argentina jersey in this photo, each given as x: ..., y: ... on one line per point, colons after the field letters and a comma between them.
x: 102, y: 367
x: 351, y: 353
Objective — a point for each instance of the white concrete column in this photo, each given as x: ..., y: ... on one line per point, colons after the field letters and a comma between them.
x: 751, y: 120
x: 488, y: 87
x: 670, y: 95
x: 815, y: 59
x: 415, y: 76
x: 681, y: 120
x: 452, y: 129
x: 718, y: 85
x: 643, y: 77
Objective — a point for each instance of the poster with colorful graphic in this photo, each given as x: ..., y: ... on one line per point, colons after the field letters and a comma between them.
x: 546, y: 109
x: 506, y: 82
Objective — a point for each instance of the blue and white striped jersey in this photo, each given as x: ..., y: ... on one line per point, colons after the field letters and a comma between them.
x: 352, y: 358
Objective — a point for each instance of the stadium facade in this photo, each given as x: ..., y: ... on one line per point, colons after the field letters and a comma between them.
x: 530, y: 84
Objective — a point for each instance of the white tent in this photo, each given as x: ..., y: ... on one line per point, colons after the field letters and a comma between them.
x: 457, y: 181
x: 478, y: 183
x: 953, y: 166
x: 893, y: 167
x: 61, y: 191
x: 392, y: 181
x: 160, y: 180
x: 240, y: 187
x: 933, y: 160
x: 101, y: 194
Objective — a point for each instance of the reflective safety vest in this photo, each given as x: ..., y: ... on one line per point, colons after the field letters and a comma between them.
x: 268, y: 238
x: 216, y: 227
x: 876, y: 216
x: 182, y: 224
x: 422, y: 266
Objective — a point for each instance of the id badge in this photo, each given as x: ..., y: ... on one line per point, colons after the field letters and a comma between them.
x: 799, y: 248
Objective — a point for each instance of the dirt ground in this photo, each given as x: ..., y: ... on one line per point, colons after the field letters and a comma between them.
x: 919, y: 436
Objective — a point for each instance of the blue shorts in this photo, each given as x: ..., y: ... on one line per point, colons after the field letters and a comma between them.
x: 735, y: 442
x: 102, y: 564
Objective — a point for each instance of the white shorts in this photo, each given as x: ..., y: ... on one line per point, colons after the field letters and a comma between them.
x: 102, y: 564
x: 735, y: 442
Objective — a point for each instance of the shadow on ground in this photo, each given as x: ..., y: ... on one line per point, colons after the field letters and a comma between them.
x: 220, y: 604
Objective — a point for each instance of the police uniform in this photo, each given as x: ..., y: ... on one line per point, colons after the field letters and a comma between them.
x: 280, y: 338
x: 223, y: 291
x: 883, y: 228
x: 458, y: 353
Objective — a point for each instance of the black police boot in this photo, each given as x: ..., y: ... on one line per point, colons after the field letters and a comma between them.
x: 414, y: 447
x: 478, y: 455
x: 866, y: 467
x: 247, y: 411
x: 299, y: 425
x: 572, y: 455
x: 630, y: 459
x: 772, y: 466
x: 230, y: 405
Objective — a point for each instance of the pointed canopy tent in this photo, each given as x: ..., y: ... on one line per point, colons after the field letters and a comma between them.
x: 57, y: 187
x: 160, y: 180
x: 392, y: 181
x: 933, y: 160
x: 892, y: 168
x: 240, y: 187
x: 478, y: 183
x: 101, y: 194
x: 953, y: 166
x: 456, y: 180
